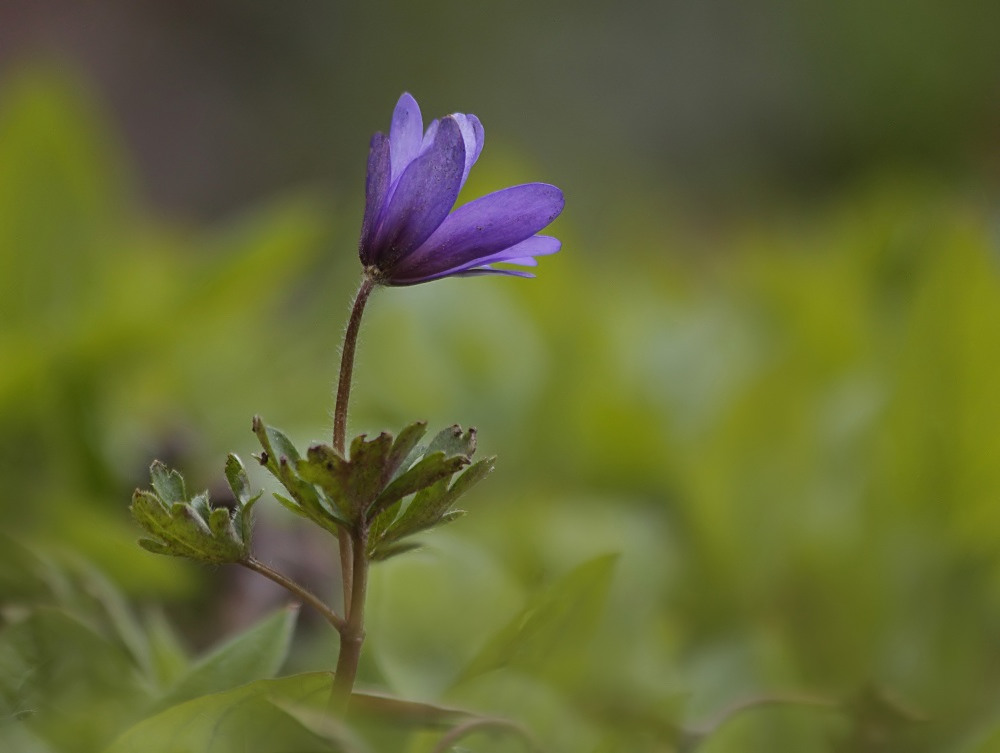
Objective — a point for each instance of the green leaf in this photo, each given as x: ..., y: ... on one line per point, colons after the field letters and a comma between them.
x: 181, y: 531
x: 369, y: 468
x: 66, y: 679
x: 255, y: 654
x: 275, y: 444
x: 382, y: 552
x: 429, y: 506
x: 168, y: 484
x: 168, y: 657
x: 325, y: 726
x: 240, y: 720
x: 453, y: 441
x: 428, y: 471
x: 236, y: 475
x: 554, y: 626
x: 404, y: 448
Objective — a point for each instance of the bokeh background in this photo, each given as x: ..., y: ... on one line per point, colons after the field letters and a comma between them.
x: 748, y: 421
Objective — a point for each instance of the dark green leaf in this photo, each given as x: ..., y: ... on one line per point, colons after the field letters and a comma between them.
x: 403, y: 448
x: 428, y: 471
x: 382, y: 552
x: 429, y: 506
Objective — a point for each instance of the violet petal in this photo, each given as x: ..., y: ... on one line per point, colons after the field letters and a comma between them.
x: 376, y: 188
x: 484, y: 227
x: 473, y: 134
x: 406, y: 133
x: 422, y: 198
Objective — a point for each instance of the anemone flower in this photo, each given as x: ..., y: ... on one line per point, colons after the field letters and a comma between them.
x: 410, y: 233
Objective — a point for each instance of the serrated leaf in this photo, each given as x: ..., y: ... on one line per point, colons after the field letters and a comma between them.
x: 475, y: 473
x: 382, y: 552
x: 453, y: 441
x: 201, y: 505
x: 428, y: 471
x: 308, y: 499
x: 383, y: 521
x: 290, y: 505
x: 243, y: 519
x: 431, y: 506
x: 352, y: 484
x: 168, y: 484
x: 275, y: 444
x: 403, y: 448
x: 255, y: 654
x: 151, y: 545
x: 236, y: 475
x: 369, y: 468
x: 324, y: 467
x: 220, y: 520
x: 182, y: 532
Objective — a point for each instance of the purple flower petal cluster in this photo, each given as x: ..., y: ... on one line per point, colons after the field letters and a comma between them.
x: 410, y: 233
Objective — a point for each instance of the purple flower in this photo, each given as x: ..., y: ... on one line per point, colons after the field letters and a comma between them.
x: 409, y: 233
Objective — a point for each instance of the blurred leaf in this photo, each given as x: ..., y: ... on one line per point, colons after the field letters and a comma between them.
x: 73, y: 686
x: 555, y: 625
x: 324, y: 726
x: 256, y: 653
x: 169, y: 659
x: 242, y: 720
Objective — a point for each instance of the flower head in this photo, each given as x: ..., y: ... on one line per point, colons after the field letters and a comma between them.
x: 410, y: 233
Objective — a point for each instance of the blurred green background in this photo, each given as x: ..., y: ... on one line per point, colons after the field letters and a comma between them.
x: 763, y: 372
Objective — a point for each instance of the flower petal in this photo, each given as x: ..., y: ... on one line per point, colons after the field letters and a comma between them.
x: 473, y: 135
x: 522, y: 253
x: 422, y: 198
x: 476, y: 231
x: 406, y: 133
x: 376, y: 188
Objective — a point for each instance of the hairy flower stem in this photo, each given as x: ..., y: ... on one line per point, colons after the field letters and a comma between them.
x: 353, y: 544
x: 288, y: 584
x: 353, y: 634
x: 340, y: 420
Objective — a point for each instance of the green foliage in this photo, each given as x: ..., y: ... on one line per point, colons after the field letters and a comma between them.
x: 254, y: 654
x: 189, y: 526
x: 786, y: 429
x: 368, y: 488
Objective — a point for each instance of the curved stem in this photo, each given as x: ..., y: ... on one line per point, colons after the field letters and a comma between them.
x: 477, y: 725
x: 288, y: 584
x: 340, y: 421
x: 347, y: 363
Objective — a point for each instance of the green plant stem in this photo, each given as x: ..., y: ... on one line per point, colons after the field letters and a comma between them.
x: 288, y: 584
x: 347, y: 351
x: 353, y: 635
x: 485, y: 725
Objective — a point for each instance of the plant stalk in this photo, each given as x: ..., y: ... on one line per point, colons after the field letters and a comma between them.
x: 353, y: 544
x: 347, y: 351
x: 353, y: 635
x: 302, y: 593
